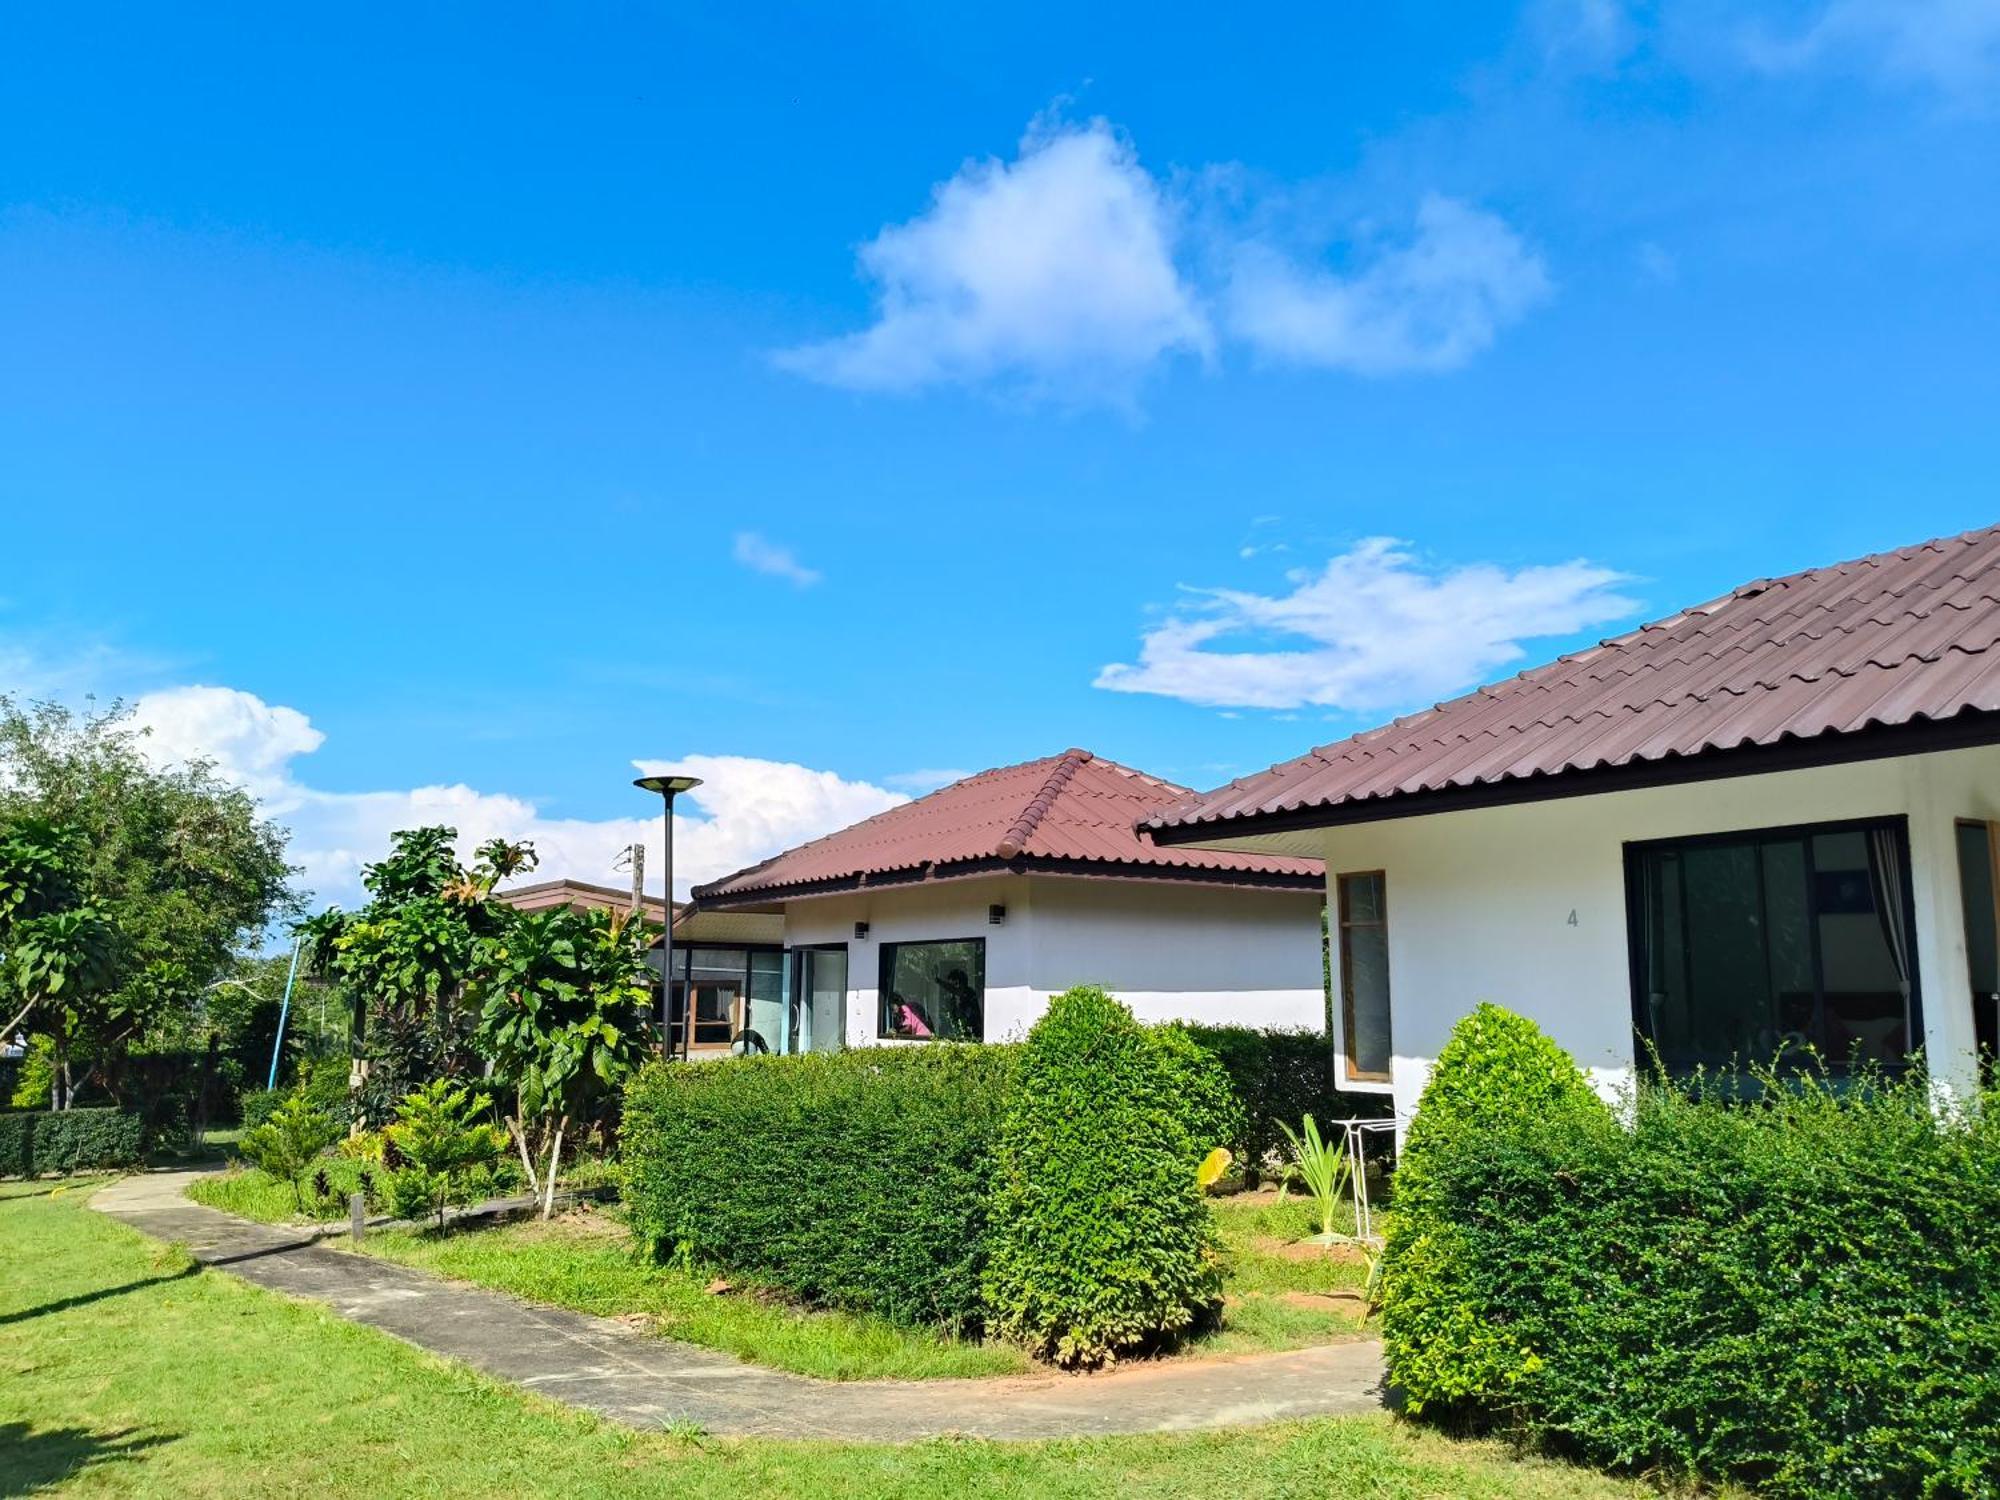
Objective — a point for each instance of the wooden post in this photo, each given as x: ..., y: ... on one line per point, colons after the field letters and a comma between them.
x: 357, y: 1215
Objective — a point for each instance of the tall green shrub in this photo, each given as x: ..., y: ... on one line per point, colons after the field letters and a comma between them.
x: 859, y: 1180
x: 1200, y: 1089
x: 1280, y: 1076
x: 1102, y: 1244
x: 1499, y: 1071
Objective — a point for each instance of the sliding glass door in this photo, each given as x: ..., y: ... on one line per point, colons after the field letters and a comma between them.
x: 819, y: 999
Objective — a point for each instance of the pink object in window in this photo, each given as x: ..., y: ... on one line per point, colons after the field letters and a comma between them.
x: 909, y: 1023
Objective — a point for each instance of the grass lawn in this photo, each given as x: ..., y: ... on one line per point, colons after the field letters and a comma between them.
x: 585, y: 1261
x: 124, y: 1370
x: 253, y: 1194
x: 1280, y: 1294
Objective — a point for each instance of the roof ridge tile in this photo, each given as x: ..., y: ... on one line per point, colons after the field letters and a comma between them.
x: 1015, y: 839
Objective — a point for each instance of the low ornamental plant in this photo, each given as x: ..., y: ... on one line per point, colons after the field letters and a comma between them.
x: 443, y: 1150
x: 1324, y: 1170
x: 289, y: 1142
x: 1103, y: 1244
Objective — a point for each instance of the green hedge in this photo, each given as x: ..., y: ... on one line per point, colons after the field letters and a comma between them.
x: 72, y: 1140
x: 872, y: 1179
x: 1102, y: 1242
x: 857, y: 1179
x: 1802, y: 1294
x: 1280, y: 1076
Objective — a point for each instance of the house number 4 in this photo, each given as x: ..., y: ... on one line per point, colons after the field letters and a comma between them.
x: 1572, y: 917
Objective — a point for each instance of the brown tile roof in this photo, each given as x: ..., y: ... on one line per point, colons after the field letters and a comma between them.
x: 1883, y: 648
x: 544, y: 894
x: 1071, y: 813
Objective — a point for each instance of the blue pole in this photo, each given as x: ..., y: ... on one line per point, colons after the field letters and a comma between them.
x: 284, y: 1009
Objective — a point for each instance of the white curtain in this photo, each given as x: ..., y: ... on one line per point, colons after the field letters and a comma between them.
x: 1886, y: 869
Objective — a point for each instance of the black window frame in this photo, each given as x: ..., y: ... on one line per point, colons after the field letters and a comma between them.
x: 885, y: 967
x: 1636, y: 850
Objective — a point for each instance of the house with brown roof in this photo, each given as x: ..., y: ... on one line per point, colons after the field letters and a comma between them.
x: 1762, y: 825
x: 545, y: 895
x: 957, y: 916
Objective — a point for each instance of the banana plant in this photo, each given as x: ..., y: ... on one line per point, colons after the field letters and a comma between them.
x: 1324, y: 1170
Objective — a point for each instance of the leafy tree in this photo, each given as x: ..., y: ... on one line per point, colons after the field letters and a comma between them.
x: 57, y: 951
x: 563, y: 997
x: 406, y: 957
x: 174, y: 861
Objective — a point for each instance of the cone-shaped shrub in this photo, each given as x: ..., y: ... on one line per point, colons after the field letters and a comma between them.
x: 1102, y: 1243
x: 1498, y: 1072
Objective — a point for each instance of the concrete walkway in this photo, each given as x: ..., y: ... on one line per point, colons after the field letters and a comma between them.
x: 646, y: 1381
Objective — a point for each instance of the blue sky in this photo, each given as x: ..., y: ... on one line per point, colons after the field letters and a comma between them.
x: 474, y: 401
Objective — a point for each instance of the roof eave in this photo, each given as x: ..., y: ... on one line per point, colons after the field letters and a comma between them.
x: 1970, y: 728
x: 1279, y: 880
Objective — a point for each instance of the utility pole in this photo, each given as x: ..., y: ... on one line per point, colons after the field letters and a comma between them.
x: 638, y: 878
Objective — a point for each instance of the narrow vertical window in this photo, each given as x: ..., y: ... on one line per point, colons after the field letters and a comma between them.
x: 1364, y: 976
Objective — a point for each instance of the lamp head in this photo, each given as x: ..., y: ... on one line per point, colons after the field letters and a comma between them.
x: 667, y: 786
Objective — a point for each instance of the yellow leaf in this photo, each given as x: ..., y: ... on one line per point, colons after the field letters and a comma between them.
x: 1212, y: 1167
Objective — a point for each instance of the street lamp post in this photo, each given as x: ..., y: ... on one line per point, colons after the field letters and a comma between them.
x: 669, y: 787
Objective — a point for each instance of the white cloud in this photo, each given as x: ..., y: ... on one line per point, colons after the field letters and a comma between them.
x: 1055, y: 271
x: 1378, y: 630
x: 746, y: 810
x: 761, y: 556
x: 1950, y: 45
x: 754, y: 808
x: 925, y: 779
x: 1429, y: 304
x: 1072, y: 272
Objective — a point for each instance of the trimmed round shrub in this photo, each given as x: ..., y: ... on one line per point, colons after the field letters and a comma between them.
x: 1102, y: 1244
x: 1497, y: 1073
x: 1497, y: 1069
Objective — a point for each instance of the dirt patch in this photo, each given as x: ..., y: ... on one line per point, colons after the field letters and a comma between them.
x: 1300, y: 1250
x: 1342, y: 1304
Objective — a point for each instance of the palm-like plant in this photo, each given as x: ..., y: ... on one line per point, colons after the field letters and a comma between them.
x: 1324, y: 1170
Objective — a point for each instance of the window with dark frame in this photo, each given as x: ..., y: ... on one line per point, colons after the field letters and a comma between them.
x: 933, y: 991
x: 1362, y: 912
x: 1770, y: 946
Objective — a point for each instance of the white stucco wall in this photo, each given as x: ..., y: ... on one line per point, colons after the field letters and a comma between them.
x: 1170, y: 951
x: 1480, y: 903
